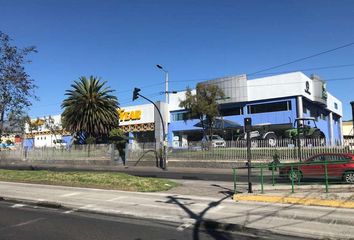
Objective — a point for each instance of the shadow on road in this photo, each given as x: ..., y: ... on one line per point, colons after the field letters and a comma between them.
x: 199, y: 217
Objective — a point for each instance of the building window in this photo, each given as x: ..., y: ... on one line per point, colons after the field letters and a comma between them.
x: 269, y: 107
x: 335, y: 105
x: 323, y: 116
x: 181, y: 116
x: 231, y: 111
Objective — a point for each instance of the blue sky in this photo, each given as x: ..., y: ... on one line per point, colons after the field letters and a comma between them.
x: 122, y: 41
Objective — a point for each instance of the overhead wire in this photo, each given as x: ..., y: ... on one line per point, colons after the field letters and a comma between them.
x: 262, y: 70
x: 303, y: 58
x: 273, y: 73
x: 285, y: 83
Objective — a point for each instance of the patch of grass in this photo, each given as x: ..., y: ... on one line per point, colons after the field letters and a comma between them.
x: 105, y: 180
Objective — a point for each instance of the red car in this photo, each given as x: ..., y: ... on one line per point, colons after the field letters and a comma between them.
x: 340, y: 166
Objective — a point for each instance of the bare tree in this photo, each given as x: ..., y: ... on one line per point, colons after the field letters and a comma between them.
x: 16, y: 86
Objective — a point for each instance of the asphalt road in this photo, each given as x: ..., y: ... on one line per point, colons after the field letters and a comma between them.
x: 27, y: 222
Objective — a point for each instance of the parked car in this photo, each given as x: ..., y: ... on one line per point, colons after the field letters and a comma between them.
x: 339, y: 166
x: 59, y: 144
x: 214, y: 141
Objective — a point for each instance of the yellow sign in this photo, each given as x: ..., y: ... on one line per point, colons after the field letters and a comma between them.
x: 37, y: 122
x: 129, y: 116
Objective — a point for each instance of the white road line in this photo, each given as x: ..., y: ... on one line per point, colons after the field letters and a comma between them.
x: 28, y: 222
x: 183, y: 226
x: 88, y: 206
x: 114, y: 199
x: 70, y: 194
x: 70, y: 211
x: 215, y: 209
x: 18, y: 205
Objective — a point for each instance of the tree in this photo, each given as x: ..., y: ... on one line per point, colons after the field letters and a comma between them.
x: 203, y: 105
x: 16, y: 86
x: 90, y: 107
x: 32, y: 126
x: 118, y: 138
x: 54, y: 127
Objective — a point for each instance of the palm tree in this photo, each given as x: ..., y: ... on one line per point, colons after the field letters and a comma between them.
x: 90, y: 108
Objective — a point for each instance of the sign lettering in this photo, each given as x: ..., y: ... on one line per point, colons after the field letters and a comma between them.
x: 129, y: 115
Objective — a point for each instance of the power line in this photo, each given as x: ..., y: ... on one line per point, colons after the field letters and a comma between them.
x: 273, y: 73
x: 150, y: 96
x: 145, y: 86
x: 308, y: 69
x: 286, y: 83
x: 303, y: 58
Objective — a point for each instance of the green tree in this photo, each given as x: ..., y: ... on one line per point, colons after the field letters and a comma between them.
x: 16, y: 86
x: 118, y: 138
x: 203, y: 105
x: 90, y: 107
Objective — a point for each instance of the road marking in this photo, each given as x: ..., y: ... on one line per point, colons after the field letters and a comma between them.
x: 88, y: 206
x: 215, y: 209
x: 18, y: 205
x: 114, y: 199
x: 70, y: 194
x: 70, y: 211
x: 183, y: 227
x: 28, y: 222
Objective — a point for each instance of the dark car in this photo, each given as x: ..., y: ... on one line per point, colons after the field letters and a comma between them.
x: 339, y: 166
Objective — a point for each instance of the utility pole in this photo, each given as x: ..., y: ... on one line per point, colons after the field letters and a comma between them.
x: 165, y: 133
x: 248, y: 129
x: 352, y: 103
x: 166, y: 81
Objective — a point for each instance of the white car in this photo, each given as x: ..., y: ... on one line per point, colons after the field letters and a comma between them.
x: 59, y: 144
x: 215, y: 140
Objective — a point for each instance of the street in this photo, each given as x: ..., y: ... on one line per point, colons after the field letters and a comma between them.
x: 177, y: 210
x: 26, y: 222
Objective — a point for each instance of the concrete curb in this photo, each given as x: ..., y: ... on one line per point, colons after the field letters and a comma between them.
x: 295, y: 200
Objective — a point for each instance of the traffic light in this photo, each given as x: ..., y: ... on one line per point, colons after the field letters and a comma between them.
x: 136, y: 93
x: 248, y: 124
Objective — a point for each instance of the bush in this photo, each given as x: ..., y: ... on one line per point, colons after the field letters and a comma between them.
x: 90, y: 140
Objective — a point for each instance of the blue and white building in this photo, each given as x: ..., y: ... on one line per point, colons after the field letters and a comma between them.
x: 273, y: 100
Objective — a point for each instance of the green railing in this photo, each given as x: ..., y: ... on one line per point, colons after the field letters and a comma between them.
x: 295, y: 174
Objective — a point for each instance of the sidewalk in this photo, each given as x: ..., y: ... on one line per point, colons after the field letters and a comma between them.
x: 179, y: 205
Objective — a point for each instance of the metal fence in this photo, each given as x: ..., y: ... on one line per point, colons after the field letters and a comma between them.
x: 325, y: 170
x: 232, y: 151
x: 137, y: 152
x: 262, y: 150
x: 74, y: 152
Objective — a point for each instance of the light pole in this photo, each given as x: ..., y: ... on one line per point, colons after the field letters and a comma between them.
x: 166, y: 81
x: 165, y: 140
x: 352, y: 104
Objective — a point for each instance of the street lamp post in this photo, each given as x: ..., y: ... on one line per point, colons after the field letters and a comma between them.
x: 166, y: 81
x: 352, y: 104
x: 165, y: 141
